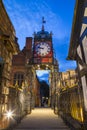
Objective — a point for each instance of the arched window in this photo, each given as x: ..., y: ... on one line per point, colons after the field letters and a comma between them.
x: 18, y: 78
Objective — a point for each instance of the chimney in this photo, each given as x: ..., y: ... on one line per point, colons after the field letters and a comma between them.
x: 28, y: 43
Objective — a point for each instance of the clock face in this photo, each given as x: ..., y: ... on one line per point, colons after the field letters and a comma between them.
x: 42, y: 49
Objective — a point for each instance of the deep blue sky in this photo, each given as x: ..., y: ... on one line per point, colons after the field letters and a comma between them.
x: 26, y: 16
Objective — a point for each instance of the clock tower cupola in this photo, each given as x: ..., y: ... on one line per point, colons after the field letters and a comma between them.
x: 43, y: 47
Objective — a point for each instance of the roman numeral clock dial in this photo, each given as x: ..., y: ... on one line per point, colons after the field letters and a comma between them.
x: 42, y: 49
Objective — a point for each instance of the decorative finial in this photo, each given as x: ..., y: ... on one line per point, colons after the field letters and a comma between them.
x: 43, y: 22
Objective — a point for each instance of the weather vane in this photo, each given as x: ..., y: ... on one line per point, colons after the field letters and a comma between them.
x: 43, y: 22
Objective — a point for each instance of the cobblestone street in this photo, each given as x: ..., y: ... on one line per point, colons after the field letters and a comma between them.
x: 42, y: 119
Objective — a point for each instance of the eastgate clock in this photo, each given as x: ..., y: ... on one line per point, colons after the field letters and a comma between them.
x: 42, y: 49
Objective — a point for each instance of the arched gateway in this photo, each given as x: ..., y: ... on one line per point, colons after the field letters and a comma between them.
x: 43, y: 58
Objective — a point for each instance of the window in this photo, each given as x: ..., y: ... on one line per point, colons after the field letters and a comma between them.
x: 18, y: 78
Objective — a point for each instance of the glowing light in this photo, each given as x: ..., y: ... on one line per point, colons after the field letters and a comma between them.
x: 9, y: 114
x: 81, y: 110
x: 38, y: 65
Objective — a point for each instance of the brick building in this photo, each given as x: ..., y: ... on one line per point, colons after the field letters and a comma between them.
x: 23, y: 72
x: 19, y: 62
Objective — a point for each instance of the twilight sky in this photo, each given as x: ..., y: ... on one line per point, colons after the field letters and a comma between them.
x: 26, y: 16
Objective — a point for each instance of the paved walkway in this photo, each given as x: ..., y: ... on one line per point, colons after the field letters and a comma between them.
x: 42, y: 119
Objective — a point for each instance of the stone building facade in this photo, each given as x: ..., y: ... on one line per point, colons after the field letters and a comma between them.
x: 69, y: 100
x: 68, y: 79
x: 8, y: 47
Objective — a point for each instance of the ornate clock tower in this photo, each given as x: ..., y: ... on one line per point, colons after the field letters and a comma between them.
x: 43, y: 47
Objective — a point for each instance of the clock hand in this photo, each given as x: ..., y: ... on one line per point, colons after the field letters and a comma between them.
x: 40, y: 48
